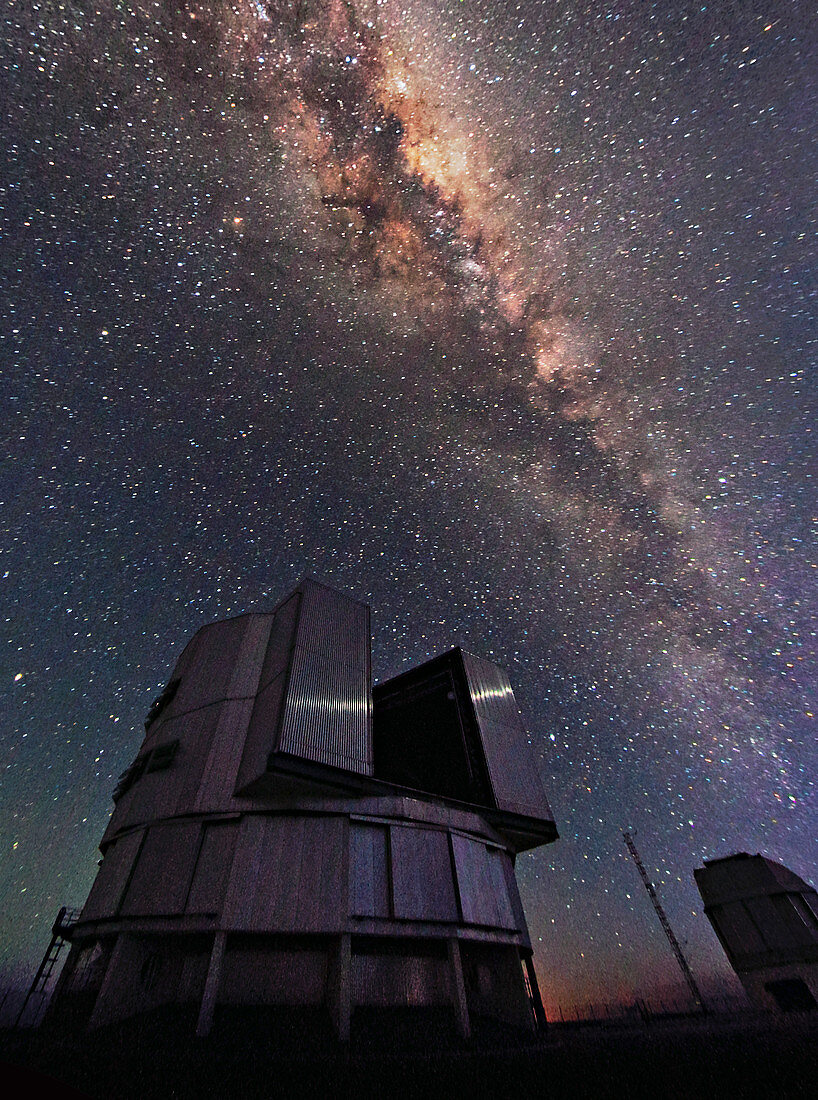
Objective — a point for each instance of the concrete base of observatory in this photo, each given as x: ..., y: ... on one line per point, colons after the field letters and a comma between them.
x: 211, y: 980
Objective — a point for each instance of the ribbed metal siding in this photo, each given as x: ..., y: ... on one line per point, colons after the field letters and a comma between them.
x: 332, y: 623
x: 491, y: 692
x: 509, y: 758
x: 327, y: 713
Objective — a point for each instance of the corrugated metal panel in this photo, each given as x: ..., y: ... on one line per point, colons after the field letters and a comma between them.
x: 510, y: 760
x: 481, y: 882
x: 743, y: 876
x: 314, y: 698
x: 161, y: 879
x: 422, y: 886
x: 491, y: 692
x: 732, y: 878
x: 469, y: 859
x: 112, y: 878
x: 785, y: 877
x: 798, y: 917
x: 327, y: 712
x: 368, y: 870
x: 212, y: 868
x: 499, y: 889
x: 331, y: 623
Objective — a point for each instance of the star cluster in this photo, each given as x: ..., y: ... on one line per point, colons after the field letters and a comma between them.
x: 497, y: 316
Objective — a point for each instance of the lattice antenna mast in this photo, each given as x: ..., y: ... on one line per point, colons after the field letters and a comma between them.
x: 657, y: 905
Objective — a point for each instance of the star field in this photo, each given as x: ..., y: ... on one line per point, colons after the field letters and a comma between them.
x: 499, y: 317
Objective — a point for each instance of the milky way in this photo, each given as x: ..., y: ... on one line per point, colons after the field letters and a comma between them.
x: 496, y: 316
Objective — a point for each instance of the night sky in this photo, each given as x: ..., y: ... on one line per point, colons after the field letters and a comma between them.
x: 495, y: 316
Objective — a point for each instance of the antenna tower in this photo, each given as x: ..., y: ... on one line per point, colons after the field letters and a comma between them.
x: 657, y: 905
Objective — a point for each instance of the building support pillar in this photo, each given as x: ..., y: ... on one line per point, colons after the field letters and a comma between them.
x: 207, y: 1010
x: 541, y: 1023
x: 340, y: 998
x: 459, y: 1001
x: 113, y: 977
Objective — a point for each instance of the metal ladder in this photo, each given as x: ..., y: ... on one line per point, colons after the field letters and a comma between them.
x: 59, y: 938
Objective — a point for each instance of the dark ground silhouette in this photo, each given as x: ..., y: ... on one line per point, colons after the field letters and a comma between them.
x: 281, y: 1053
